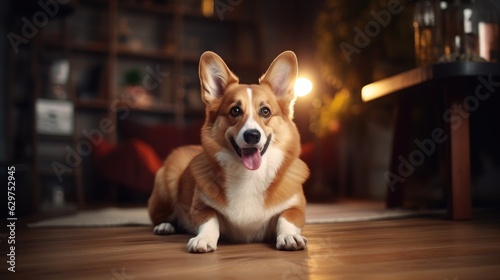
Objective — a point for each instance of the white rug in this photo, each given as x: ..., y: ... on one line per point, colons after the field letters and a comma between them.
x: 315, y: 213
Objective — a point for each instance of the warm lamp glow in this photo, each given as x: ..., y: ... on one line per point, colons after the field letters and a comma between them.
x: 207, y: 8
x: 302, y: 87
x: 370, y: 92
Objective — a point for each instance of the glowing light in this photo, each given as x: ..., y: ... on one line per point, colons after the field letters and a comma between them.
x: 207, y: 8
x: 370, y: 92
x: 302, y: 87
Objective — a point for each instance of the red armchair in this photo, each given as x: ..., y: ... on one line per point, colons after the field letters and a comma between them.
x: 133, y: 162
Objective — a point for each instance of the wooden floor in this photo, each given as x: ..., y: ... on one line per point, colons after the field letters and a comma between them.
x: 419, y: 248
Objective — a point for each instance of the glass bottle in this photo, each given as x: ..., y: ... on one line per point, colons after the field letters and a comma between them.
x: 471, y: 31
x: 427, y: 31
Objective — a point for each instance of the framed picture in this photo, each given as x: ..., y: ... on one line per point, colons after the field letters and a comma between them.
x: 54, y: 117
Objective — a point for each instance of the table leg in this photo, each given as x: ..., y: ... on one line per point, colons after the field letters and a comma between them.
x: 400, y: 147
x: 458, y: 171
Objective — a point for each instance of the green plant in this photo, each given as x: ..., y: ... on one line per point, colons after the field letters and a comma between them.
x: 133, y: 77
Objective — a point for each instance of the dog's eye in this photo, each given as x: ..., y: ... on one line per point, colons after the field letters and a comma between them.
x: 265, y: 112
x: 235, y: 111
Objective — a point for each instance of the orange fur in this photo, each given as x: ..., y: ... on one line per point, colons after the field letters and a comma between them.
x: 195, y: 189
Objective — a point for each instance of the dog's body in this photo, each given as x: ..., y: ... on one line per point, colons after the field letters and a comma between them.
x: 245, y: 182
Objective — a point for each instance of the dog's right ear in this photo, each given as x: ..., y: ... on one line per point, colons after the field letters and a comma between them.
x: 215, y: 76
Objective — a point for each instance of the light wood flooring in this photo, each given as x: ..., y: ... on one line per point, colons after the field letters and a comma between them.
x: 417, y: 248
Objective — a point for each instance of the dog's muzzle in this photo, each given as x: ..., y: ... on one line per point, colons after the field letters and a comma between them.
x: 251, y: 157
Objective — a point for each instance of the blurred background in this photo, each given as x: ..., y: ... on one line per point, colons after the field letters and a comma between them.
x: 95, y: 93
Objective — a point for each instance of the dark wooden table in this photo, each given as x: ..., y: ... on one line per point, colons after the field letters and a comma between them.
x: 456, y: 88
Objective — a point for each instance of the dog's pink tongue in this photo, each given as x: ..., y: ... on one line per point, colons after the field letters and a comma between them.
x: 251, y: 158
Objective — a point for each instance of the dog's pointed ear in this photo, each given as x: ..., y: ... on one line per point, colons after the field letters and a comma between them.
x: 215, y: 76
x: 281, y: 75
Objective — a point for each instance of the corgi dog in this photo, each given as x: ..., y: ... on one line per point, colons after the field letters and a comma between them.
x: 244, y: 183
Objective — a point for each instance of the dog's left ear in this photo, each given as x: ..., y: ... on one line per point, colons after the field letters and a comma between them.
x: 215, y: 76
x: 281, y: 75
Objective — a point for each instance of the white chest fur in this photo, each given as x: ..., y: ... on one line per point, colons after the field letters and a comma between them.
x: 246, y: 213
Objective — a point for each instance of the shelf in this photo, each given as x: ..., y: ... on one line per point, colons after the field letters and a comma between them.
x: 103, y: 48
x: 95, y: 104
x: 170, y: 34
x: 149, y: 8
x: 155, y: 109
x: 97, y: 47
x: 194, y: 113
x: 192, y: 58
x: 55, y: 137
x: 230, y: 22
x: 85, y: 47
x: 98, y: 104
x: 141, y: 53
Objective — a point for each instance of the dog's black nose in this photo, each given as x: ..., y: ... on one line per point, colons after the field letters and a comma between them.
x: 251, y: 136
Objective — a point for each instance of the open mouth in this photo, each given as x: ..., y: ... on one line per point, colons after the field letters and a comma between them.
x: 251, y: 157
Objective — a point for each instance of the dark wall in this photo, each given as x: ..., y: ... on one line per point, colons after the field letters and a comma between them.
x: 3, y: 83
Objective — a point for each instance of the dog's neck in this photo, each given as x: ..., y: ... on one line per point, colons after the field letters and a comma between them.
x: 237, y: 174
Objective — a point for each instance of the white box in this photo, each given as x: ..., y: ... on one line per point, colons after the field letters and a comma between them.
x: 54, y: 117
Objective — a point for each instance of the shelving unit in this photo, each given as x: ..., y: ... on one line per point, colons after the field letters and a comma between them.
x: 157, y: 42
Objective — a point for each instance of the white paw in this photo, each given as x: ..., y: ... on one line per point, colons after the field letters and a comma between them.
x: 201, y: 244
x: 291, y: 242
x: 164, y: 229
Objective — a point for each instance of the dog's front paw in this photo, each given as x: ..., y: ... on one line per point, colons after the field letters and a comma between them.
x: 291, y: 242
x: 201, y: 244
x: 164, y: 229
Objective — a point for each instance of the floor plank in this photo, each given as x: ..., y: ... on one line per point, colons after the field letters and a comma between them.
x: 419, y: 248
